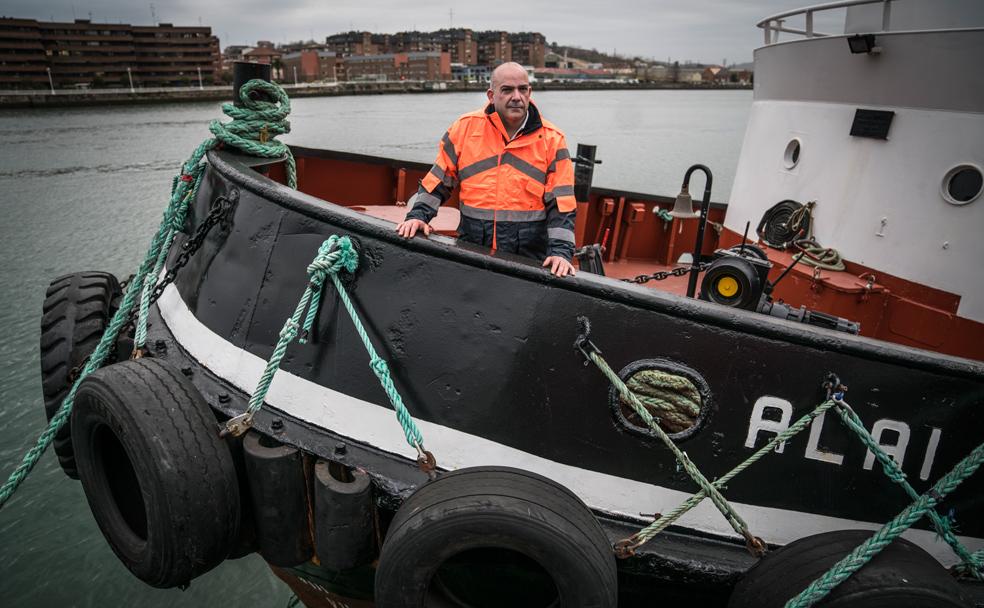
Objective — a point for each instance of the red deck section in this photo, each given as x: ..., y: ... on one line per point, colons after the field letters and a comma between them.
x: 639, y: 242
x: 888, y: 307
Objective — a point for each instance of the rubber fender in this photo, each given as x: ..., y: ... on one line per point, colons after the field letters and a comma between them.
x: 495, y: 536
x: 344, y: 536
x: 246, y: 542
x: 901, y: 576
x: 278, y: 492
x: 159, y: 481
x: 77, y: 308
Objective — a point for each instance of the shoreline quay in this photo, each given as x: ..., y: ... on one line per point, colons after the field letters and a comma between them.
x: 13, y: 99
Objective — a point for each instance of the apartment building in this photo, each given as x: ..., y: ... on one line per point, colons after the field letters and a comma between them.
x: 36, y: 54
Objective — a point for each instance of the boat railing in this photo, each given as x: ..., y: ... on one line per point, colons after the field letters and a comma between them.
x: 778, y: 24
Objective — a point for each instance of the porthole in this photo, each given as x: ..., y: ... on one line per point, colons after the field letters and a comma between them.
x: 676, y: 396
x: 962, y: 184
x: 791, y: 157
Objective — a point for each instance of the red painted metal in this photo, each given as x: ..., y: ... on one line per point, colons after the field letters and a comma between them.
x: 888, y: 307
x: 636, y: 241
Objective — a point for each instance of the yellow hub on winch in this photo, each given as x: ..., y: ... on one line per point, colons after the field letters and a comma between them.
x: 727, y: 287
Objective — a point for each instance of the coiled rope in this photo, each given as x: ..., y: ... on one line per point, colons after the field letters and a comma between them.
x: 674, y: 399
x: 815, y: 254
x: 707, y: 489
x: 251, y: 127
x: 253, y: 130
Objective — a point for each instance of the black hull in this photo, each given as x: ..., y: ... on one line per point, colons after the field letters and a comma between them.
x: 483, y: 345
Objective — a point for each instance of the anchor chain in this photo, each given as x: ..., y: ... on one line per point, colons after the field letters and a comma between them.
x: 662, y: 275
x: 217, y: 212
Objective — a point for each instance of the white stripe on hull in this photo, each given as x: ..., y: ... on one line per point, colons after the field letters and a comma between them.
x: 376, y: 425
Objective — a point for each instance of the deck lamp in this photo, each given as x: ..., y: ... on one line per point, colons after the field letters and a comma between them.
x: 861, y: 44
x: 683, y: 208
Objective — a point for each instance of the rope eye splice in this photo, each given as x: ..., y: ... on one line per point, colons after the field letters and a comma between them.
x: 335, y: 255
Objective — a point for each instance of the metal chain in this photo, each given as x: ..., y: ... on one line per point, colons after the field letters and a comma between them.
x: 665, y: 274
x: 217, y: 212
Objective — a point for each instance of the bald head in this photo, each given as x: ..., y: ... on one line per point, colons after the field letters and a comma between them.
x: 508, y: 70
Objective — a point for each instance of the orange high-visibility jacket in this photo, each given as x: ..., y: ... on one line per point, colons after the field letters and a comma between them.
x: 528, y: 179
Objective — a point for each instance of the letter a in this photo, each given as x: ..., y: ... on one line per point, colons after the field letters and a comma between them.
x: 757, y: 421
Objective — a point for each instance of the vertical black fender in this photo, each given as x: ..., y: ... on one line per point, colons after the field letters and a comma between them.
x: 343, y: 532
x: 278, y: 492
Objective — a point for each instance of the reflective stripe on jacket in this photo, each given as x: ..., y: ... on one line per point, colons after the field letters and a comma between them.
x: 527, y: 179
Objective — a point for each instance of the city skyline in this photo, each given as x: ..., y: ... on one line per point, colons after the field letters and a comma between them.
x: 708, y: 31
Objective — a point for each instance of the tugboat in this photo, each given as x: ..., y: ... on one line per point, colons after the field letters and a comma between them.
x: 479, y: 454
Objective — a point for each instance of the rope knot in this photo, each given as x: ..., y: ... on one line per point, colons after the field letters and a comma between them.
x: 334, y: 255
x: 380, y: 368
x: 289, y: 330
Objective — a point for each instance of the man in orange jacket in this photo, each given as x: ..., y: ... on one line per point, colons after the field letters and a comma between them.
x: 515, y: 175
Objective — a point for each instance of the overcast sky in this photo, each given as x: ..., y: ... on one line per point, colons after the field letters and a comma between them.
x: 708, y: 31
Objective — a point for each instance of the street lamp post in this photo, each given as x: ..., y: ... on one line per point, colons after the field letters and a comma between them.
x: 51, y: 82
x: 295, y: 75
x: 129, y: 75
x: 200, y: 87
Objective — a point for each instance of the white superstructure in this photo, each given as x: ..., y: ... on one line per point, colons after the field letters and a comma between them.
x: 904, y: 205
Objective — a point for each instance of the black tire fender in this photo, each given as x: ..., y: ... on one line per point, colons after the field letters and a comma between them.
x: 77, y: 308
x: 485, y: 521
x: 901, y: 576
x: 279, y: 493
x: 344, y: 536
x: 159, y: 481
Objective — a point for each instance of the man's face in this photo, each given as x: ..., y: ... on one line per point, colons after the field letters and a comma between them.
x: 510, y: 94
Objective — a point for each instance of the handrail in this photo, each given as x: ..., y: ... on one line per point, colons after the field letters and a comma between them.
x: 773, y: 25
x: 817, y: 8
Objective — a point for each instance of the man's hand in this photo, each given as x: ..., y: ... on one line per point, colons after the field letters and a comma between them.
x: 410, y: 227
x: 559, y: 266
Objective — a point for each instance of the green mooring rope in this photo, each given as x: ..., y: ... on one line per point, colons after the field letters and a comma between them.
x: 706, y: 486
x: 335, y: 255
x: 861, y: 555
x: 664, y: 521
x: 253, y: 130
x: 894, y: 472
x: 247, y: 130
x: 971, y: 563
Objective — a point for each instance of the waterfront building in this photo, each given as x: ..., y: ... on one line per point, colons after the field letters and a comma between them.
x: 459, y: 43
x: 471, y: 73
x: 233, y: 53
x: 84, y: 54
x: 313, y: 65
x: 357, y: 43
x: 494, y: 48
x: 428, y: 65
x: 462, y: 45
x: 529, y: 48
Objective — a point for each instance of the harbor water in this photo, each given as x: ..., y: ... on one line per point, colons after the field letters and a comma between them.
x: 83, y: 189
